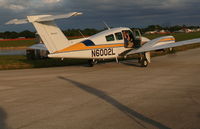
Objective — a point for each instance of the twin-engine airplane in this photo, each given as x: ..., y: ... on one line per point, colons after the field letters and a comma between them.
x: 111, y: 43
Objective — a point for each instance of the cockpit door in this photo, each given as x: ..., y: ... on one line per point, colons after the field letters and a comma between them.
x: 128, y: 38
x: 137, y: 38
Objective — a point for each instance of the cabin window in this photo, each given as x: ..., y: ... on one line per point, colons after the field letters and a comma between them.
x: 88, y: 43
x: 110, y: 38
x: 118, y: 36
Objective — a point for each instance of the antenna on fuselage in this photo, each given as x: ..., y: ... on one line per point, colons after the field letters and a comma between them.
x: 106, y: 25
x: 81, y: 34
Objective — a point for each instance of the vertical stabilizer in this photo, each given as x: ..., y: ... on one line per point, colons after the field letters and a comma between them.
x: 51, y: 35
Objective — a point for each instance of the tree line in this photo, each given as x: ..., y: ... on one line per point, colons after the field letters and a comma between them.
x: 89, y: 31
x: 169, y: 28
x: 30, y: 34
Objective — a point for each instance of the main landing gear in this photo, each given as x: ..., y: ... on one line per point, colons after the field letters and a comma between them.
x: 92, y: 62
x: 144, y: 59
x: 144, y: 63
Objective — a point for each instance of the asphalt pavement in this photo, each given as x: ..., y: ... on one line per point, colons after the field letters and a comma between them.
x: 165, y: 95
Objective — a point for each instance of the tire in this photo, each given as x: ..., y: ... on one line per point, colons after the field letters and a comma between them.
x: 170, y: 49
x: 144, y: 63
x: 91, y: 63
x: 139, y: 59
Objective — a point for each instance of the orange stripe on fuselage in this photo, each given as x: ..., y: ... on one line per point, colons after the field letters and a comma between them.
x: 167, y: 39
x: 81, y: 46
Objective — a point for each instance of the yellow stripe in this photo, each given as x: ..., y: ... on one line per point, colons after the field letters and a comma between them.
x: 81, y: 46
x: 167, y: 39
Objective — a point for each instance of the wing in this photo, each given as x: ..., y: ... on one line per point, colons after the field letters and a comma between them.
x: 162, y: 43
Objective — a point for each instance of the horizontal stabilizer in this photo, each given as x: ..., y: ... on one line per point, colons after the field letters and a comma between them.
x: 43, y: 18
x: 54, y: 17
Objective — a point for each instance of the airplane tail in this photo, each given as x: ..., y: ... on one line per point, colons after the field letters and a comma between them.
x: 51, y: 35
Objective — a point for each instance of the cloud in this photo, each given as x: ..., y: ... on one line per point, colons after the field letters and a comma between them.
x: 52, y: 1
x: 114, y: 12
x: 27, y: 5
x: 14, y: 7
x: 11, y: 6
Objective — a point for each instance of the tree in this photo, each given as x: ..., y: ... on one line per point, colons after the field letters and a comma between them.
x: 27, y: 34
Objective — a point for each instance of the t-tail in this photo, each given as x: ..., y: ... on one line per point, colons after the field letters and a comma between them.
x: 53, y: 38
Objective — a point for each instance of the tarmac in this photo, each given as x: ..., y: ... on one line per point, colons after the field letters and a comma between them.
x: 165, y: 95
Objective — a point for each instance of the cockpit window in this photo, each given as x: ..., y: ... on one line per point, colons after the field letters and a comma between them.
x: 118, y: 36
x: 110, y: 38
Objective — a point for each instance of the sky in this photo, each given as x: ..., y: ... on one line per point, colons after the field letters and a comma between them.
x: 116, y: 13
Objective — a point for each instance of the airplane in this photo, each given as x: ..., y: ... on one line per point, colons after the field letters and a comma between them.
x: 109, y: 44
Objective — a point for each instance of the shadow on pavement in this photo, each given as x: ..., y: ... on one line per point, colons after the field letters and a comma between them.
x: 131, y: 63
x: 126, y: 110
x: 3, y: 117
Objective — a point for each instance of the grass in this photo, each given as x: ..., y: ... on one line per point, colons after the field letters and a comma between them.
x: 19, y: 43
x: 176, y: 49
x: 21, y: 62
x: 178, y: 36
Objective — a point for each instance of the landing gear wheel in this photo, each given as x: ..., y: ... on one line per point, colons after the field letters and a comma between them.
x: 171, y: 51
x: 91, y: 63
x: 144, y: 63
x: 139, y: 59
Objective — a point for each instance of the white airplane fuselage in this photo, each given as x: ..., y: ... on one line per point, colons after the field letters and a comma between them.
x: 104, y: 45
